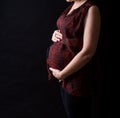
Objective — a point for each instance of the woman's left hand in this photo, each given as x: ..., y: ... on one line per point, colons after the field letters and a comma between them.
x: 56, y: 73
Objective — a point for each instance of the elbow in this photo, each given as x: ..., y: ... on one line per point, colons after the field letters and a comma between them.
x: 88, y: 56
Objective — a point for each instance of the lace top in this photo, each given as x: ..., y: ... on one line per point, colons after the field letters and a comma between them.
x: 61, y: 53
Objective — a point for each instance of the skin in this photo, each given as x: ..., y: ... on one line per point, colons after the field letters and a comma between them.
x: 90, y: 41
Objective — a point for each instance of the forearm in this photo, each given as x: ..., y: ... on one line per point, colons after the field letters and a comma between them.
x: 80, y: 60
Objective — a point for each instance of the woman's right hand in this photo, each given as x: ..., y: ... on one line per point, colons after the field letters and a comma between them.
x: 57, y: 36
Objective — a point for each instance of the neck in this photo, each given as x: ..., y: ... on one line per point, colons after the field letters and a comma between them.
x: 78, y: 3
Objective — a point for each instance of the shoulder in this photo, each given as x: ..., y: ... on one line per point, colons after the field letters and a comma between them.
x: 91, y: 7
x: 93, y: 15
x: 94, y: 11
x: 94, y: 8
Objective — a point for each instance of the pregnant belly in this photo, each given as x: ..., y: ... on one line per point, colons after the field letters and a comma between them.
x: 58, y: 56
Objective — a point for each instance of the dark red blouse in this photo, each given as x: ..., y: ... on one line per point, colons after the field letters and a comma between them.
x: 61, y: 53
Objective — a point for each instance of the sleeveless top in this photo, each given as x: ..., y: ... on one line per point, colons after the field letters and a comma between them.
x: 61, y: 53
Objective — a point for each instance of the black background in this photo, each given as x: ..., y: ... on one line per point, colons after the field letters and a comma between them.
x: 26, y: 27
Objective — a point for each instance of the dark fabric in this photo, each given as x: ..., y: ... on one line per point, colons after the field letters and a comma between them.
x: 81, y: 107
x: 61, y: 53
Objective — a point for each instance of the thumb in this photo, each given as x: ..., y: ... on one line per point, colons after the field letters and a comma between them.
x: 51, y: 69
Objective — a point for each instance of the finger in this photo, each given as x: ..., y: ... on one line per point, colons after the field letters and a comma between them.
x: 58, y: 36
x: 54, y: 39
x: 58, y: 33
x: 52, y: 69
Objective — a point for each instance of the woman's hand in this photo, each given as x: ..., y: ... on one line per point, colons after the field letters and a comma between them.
x: 57, y: 36
x: 57, y: 74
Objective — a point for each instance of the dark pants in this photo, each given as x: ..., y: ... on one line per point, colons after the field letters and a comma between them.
x: 80, y: 107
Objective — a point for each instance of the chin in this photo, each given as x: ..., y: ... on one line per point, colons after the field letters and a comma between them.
x: 69, y: 0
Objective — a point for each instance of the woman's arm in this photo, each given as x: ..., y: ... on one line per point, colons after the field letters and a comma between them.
x: 90, y: 40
